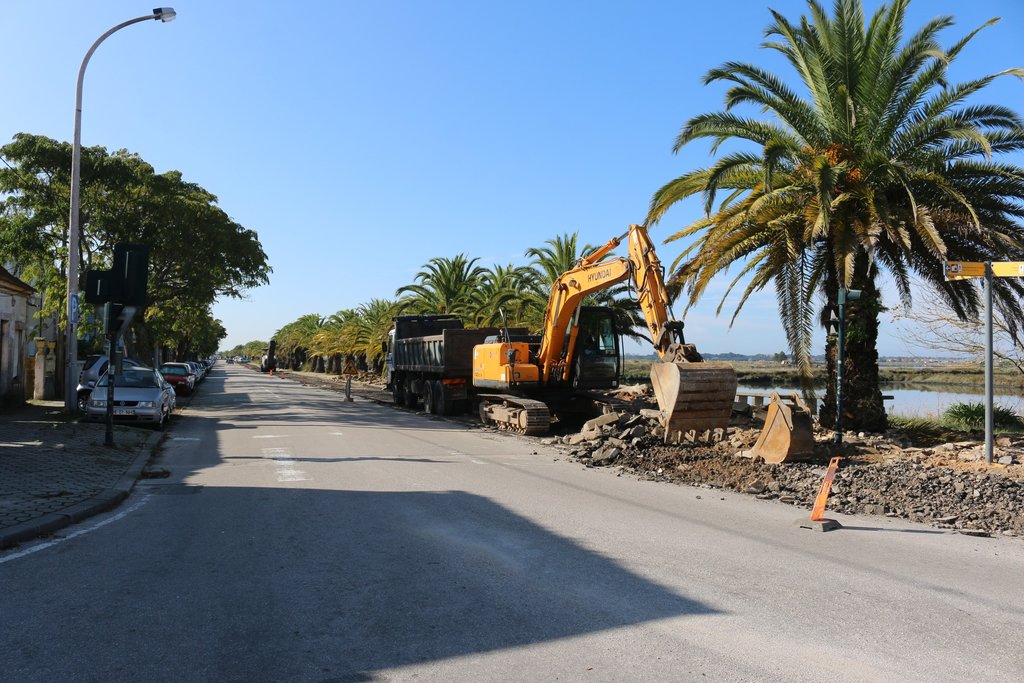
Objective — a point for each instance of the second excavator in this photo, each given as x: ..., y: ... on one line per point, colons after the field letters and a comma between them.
x: 578, y: 351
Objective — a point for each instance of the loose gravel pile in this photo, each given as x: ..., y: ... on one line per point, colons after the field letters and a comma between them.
x: 948, y: 486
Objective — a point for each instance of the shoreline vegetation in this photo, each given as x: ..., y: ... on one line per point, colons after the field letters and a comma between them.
x: 769, y: 374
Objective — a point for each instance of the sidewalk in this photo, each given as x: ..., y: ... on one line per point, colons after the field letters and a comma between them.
x: 55, y: 471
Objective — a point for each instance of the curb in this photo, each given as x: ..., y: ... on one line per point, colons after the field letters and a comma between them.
x: 101, y: 502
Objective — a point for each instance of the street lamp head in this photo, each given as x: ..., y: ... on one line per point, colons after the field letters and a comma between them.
x: 164, y: 14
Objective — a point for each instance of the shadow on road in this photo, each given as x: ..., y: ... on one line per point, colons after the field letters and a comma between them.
x: 359, y: 580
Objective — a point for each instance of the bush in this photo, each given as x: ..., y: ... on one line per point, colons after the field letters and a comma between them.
x: 971, y: 417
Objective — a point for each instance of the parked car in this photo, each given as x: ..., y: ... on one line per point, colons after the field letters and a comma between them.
x: 180, y: 376
x: 198, y: 368
x: 140, y: 395
x: 94, y: 368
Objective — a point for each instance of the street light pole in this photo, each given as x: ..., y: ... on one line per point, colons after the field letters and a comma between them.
x: 164, y: 15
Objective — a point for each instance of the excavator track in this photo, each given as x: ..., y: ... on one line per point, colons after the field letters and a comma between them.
x: 515, y: 414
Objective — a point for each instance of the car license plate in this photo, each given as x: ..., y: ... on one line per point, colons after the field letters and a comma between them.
x: 123, y: 411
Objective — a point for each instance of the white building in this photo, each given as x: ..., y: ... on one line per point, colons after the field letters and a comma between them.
x: 14, y: 319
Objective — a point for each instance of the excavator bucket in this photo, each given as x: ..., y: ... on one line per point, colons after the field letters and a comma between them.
x: 788, y: 434
x: 693, y: 396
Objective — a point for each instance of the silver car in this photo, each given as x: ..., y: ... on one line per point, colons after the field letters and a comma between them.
x: 140, y: 395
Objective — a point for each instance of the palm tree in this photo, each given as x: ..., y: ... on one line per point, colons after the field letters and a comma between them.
x: 878, y: 164
x: 502, y: 290
x: 369, y: 328
x: 295, y: 339
x: 443, y: 286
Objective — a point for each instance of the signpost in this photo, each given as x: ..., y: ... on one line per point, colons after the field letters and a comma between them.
x: 350, y: 369
x: 965, y: 270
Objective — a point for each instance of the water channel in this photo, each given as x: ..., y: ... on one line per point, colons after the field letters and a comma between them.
x: 921, y: 401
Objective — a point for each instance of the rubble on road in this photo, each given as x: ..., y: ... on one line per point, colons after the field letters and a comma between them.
x: 946, y: 485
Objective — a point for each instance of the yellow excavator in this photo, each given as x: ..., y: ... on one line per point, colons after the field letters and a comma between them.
x: 578, y: 351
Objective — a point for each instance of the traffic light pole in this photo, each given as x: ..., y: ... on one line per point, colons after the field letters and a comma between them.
x: 108, y: 438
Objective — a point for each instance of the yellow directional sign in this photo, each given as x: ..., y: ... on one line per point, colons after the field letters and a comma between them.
x: 1008, y: 269
x: 962, y: 270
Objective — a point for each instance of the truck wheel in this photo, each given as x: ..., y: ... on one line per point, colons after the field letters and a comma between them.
x: 410, y: 395
x: 443, y: 398
x: 429, y: 400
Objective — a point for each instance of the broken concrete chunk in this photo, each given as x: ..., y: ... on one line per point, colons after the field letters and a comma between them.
x: 600, y: 421
x: 605, y: 456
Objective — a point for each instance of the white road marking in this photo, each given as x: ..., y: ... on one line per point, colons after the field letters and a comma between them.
x: 284, y: 466
x: 84, y: 530
x: 271, y: 436
x: 337, y: 434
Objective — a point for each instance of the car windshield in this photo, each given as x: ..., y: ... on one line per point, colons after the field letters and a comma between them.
x: 172, y: 370
x: 133, y: 379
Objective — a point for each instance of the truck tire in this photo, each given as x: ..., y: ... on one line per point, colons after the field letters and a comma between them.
x: 411, y: 399
x: 429, y: 400
x: 442, y: 398
x: 398, y: 391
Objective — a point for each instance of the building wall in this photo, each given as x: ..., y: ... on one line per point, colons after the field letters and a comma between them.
x: 13, y: 323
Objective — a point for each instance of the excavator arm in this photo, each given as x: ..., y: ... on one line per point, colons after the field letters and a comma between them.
x: 692, y: 395
x: 595, y: 273
x: 590, y: 275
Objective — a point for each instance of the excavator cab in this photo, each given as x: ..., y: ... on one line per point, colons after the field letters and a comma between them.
x: 597, y: 361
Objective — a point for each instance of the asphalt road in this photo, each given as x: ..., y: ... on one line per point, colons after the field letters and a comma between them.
x: 302, y: 538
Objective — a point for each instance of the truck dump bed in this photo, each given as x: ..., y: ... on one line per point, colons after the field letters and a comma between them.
x: 449, y: 354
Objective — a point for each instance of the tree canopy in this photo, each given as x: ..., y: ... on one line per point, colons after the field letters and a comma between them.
x: 870, y: 160
x: 197, y: 252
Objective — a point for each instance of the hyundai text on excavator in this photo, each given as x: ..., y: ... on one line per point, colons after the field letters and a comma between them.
x: 519, y: 378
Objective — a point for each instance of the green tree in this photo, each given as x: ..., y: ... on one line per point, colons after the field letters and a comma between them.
x: 197, y: 253
x: 878, y: 163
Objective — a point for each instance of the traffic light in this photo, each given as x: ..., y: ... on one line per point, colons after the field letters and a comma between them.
x: 97, y: 286
x: 125, y: 283
x: 130, y: 274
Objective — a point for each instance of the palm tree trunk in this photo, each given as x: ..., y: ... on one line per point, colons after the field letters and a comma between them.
x: 862, y: 397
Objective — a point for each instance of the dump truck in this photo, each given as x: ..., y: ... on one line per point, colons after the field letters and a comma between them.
x: 429, y: 361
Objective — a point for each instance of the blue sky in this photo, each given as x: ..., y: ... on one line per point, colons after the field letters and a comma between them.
x: 362, y: 139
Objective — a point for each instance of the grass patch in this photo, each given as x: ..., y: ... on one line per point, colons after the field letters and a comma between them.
x: 971, y: 417
x: 922, y: 431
